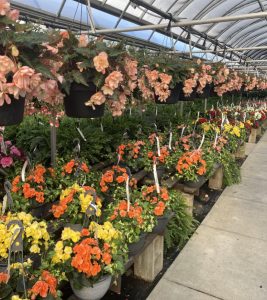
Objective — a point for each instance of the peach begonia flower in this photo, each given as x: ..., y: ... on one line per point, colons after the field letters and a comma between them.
x: 96, y: 99
x: 4, y: 7
x: 83, y: 41
x: 6, y: 65
x: 113, y: 79
x: 101, y: 62
x: 131, y: 68
x: 165, y: 78
x: 22, y: 78
x: 13, y: 14
x: 107, y: 90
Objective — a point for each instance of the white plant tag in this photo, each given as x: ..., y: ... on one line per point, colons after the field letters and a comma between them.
x: 202, y: 141
x: 101, y: 127
x: 128, y: 193
x: 158, y: 146
x: 23, y: 171
x: 156, y: 112
x: 170, y: 141
x: 130, y: 111
x: 4, y: 204
x: 216, y: 139
x: 156, y: 179
x: 81, y: 134
x: 182, y: 133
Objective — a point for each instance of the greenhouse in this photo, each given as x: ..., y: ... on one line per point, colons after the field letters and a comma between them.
x: 133, y: 149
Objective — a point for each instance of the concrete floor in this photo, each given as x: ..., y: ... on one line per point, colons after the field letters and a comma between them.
x: 226, y: 258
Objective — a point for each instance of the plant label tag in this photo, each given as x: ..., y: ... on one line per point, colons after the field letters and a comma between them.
x: 23, y: 171
x: 128, y: 193
x: 4, y: 204
x: 170, y: 141
x: 155, y: 173
x: 158, y: 146
x: 182, y: 133
x: 81, y: 134
x: 216, y: 139
x: 7, y: 187
x: 16, y: 244
x: 202, y: 141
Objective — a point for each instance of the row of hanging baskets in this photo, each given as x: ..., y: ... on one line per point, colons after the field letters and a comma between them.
x: 74, y: 103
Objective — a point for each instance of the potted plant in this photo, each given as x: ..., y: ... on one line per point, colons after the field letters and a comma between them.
x: 159, y: 206
x: 115, y: 177
x: 90, y: 258
x: 74, y: 203
x: 22, y: 72
x: 11, y: 158
x: 191, y: 168
x: 95, y: 73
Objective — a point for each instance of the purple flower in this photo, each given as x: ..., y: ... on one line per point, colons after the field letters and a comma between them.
x: 6, y: 161
x: 15, y: 151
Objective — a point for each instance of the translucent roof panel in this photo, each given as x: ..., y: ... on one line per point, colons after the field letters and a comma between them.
x: 111, y: 14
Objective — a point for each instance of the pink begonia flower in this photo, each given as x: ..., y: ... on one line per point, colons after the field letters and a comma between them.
x: 6, y: 161
x: 13, y: 14
x: 4, y: 7
x: 15, y: 151
x: 101, y: 62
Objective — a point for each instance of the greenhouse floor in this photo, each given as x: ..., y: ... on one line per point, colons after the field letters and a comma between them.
x: 226, y: 258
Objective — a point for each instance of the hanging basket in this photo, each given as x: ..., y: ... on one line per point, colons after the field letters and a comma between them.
x: 74, y: 103
x: 206, y: 92
x: 162, y: 223
x: 135, y: 248
x: 12, y: 114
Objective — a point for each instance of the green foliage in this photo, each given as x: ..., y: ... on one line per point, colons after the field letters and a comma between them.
x: 181, y: 225
x: 231, y: 169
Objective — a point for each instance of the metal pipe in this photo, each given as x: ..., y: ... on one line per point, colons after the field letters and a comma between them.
x: 186, y: 23
x: 228, y: 50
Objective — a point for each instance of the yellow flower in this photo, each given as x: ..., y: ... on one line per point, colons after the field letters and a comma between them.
x: 35, y: 249
x: 228, y: 127
x: 69, y: 234
x: 236, y: 131
x: 241, y: 125
x: 85, y: 201
x: 206, y: 126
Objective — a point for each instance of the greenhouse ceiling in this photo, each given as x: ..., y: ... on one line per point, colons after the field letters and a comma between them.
x: 110, y: 14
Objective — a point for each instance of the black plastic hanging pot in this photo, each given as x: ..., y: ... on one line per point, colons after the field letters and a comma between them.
x: 12, y: 114
x: 74, y: 103
x: 206, y: 92
x: 183, y: 97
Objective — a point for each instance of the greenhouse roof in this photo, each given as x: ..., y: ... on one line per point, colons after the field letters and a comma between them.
x: 110, y: 14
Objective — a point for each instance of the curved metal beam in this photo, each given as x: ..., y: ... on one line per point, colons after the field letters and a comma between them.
x: 255, y: 41
x: 233, y: 9
x: 251, y: 34
x: 252, y: 40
